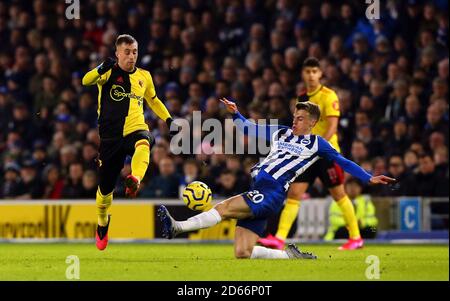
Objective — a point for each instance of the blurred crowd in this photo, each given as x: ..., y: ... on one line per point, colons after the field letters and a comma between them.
x: 390, y: 74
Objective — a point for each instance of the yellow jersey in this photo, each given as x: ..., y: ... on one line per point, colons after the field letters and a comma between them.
x: 121, y: 96
x: 328, y: 103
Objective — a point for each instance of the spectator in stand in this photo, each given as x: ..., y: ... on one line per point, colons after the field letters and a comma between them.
x: 227, y: 184
x: 427, y: 181
x: 33, y: 186
x: 54, y: 184
x: 435, y: 122
x: 441, y: 161
x: 12, y: 185
x: 359, y: 151
x: 89, y: 183
x: 73, y: 187
x: 396, y: 169
x: 399, y: 141
x: 166, y: 184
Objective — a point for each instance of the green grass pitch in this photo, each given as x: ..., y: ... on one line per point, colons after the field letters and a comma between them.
x: 216, y: 262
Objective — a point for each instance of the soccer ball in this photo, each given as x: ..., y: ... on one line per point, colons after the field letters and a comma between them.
x: 197, y: 196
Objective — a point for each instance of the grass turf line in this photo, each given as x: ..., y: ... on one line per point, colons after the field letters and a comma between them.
x: 216, y: 262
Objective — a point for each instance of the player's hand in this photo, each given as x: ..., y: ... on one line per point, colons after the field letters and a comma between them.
x: 382, y: 180
x: 106, y: 65
x: 231, y: 106
x: 173, y: 129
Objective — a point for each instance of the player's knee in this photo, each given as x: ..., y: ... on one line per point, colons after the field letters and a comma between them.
x: 242, y: 253
x: 149, y: 139
x: 297, y: 190
x: 224, y: 210
x: 337, y: 192
x: 294, y: 195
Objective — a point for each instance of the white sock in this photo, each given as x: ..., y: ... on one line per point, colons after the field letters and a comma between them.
x: 266, y: 253
x: 203, y: 220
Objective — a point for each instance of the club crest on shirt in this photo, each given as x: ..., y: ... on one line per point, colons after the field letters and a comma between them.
x: 141, y: 83
x: 305, y: 141
x: 335, y: 105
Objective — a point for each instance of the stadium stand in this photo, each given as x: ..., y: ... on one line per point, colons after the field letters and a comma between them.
x: 391, y: 76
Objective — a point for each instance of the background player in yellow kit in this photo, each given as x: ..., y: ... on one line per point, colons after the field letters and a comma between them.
x: 331, y: 175
x: 122, y: 88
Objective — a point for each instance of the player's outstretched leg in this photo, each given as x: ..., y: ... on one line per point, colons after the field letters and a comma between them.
x: 234, y: 207
x: 245, y: 240
x: 169, y: 229
x: 291, y: 252
x: 294, y: 253
x: 139, y: 164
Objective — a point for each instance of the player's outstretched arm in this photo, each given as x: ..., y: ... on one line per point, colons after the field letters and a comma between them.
x: 161, y: 111
x: 244, y: 125
x: 156, y: 105
x: 93, y: 76
x: 327, y: 151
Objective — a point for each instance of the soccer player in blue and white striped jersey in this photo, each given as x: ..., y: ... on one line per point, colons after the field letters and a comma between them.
x: 293, y: 150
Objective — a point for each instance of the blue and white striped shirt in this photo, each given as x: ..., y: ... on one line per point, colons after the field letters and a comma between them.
x: 291, y: 155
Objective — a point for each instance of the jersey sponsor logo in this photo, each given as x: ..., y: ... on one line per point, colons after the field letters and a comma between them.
x: 255, y: 196
x: 289, y: 147
x: 117, y: 93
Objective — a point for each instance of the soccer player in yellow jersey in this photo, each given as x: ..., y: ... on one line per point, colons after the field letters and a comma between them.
x: 122, y: 89
x: 331, y: 175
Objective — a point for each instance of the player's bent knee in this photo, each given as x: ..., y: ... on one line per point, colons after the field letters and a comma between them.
x: 337, y: 192
x: 297, y: 190
x: 223, y: 209
x: 149, y: 139
x: 294, y: 195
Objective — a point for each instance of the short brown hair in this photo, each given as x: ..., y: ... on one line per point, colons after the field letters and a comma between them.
x: 309, y: 107
x: 125, y: 39
x: 311, y: 62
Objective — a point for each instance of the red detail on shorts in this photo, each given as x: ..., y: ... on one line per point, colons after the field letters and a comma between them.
x: 339, y: 175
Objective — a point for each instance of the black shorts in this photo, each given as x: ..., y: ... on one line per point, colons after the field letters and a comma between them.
x: 328, y: 171
x: 112, y: 154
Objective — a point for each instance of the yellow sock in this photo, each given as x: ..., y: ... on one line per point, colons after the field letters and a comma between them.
x: 103, y: 203
x: 287, y: 218
x: 140, y: 159
x: 349, y: 216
